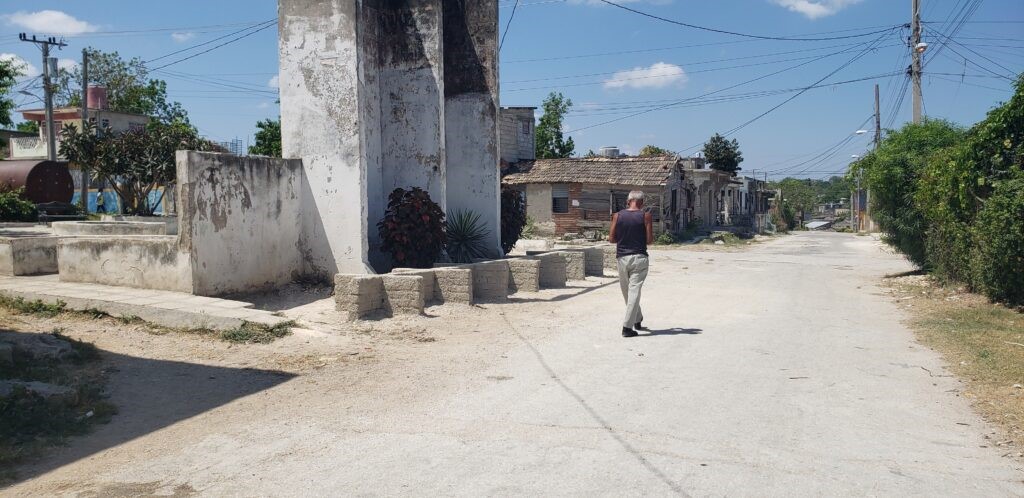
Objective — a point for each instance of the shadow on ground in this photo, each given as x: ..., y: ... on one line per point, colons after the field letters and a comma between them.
x: 672, y: 331
x: 572, y: 291
x: 153, y: 394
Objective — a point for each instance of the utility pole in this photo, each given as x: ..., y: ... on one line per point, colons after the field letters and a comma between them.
x: 49, y: 68
x: 84, y: 188
x: 915, y: 52
x: 878, y: 143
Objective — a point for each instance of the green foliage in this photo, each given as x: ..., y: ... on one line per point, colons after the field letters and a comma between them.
x: 14, y: 206
x: 268, y: 138
x: 8, y: 72
x: 513, y: 218
x: 893, y: 173
x: 37, y: 307
x: 530, y: 229
x: 129, y: 88
x: 722, y: 154
x: 256, y: 333
x: 997, y: 261
x: 413, y: 229
x: 664, y: 238
x: 28, y: 127
x: 134, y: 162
x: 550, y: 144
x: 467, y: 237
x: 654, y: 150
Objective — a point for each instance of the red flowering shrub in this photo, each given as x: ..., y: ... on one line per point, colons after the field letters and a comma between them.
x: 412, y: 230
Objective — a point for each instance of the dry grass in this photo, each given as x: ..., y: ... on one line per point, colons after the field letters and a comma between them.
x: 983, y: 344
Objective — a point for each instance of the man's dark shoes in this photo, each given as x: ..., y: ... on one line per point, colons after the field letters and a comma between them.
x: 639, y: 326
x: 628, y: 332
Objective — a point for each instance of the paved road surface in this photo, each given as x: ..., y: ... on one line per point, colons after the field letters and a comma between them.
x: 778, y: 371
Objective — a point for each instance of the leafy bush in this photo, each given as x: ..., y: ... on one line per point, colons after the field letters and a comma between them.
x: 893, y: 173
x: 998, y: 256
x: 412, y: 230
x: 513, y: 218
x: 14, y: 207
x: 530, y: 230
x: 467, y: 237
x: 664, y: 238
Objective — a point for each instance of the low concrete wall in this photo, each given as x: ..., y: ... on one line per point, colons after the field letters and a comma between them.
x: 370, y: 296
x: 593, y: 259
x: 454, y: 285
x: 107, y: 228
x: 170, y: 221
x: 429, y: 282
x: 490, y: 279
x: 240, y: 221
x: 575, y: 264
x: 552, y: 270
x: 146, y: 262
x: 610, y: 261
x: 524, y: 275
x: 28, y: 255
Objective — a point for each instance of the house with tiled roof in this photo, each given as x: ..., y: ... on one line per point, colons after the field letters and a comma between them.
x: 575, y: 195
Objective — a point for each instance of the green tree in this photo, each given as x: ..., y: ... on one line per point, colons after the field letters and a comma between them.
x: 893, y: 173
x: 722, y: 154
x: 28, y: 127
x: 8, y: 73
x: 799, y: 196
x: 135, y: 162
x: 268, y: 138
x: 129, y: 87
x: 654, y: 150
x: 550, y: 143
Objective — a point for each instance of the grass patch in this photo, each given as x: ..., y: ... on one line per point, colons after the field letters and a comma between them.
x: 23, y: 306
x: 255, y: 333
x: 983, y: 343
x: 32, y: 423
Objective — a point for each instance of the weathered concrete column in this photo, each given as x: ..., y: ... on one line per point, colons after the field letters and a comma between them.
x: 471, y: 111
x: 328, y: 109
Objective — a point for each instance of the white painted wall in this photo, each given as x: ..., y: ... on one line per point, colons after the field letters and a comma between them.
x: 240, y: 221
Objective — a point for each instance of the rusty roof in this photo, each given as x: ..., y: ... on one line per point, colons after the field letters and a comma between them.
x: 640, y: 171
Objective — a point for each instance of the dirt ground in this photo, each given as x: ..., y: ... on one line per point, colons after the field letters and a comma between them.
x: 783, y: 369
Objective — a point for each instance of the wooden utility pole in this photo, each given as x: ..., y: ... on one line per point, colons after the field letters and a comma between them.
x: 84, y: 188
x: 915, y: 52
x: 49, y: 68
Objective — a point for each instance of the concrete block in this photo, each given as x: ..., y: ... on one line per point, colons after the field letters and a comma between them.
x: 403, y: 294
x: 593, y: 260
x: 454, y: 285
x: 108, y: 228
x: 358, y: 295
x: 526, y: 245
x: 552, y: 270
x: 610, y: 261
x: 490, y: 280
x: 524, y: 275
x: 28, y: 255
x: 430, y: 292
x: 145, y: 262
x: 575, y: 265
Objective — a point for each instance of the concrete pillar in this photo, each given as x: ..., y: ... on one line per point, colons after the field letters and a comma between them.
x: 328, y: 108
x: 471, y: 111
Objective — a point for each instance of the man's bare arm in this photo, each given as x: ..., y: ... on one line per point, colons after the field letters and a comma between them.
x: 649, y: 223
x: 611, y: 231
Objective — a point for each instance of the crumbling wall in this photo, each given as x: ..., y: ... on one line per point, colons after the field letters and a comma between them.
x: 140, y: 261
x: 240, y: 220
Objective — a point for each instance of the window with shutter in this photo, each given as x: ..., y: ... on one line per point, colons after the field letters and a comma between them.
x: 560, y: 199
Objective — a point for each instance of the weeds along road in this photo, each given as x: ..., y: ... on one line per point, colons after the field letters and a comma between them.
x: 781, y: 370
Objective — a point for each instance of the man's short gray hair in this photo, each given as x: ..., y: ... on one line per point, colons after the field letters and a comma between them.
x: 635, y: 195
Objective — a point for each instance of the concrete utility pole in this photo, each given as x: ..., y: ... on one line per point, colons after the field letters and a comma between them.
x: 878, y: 143
x: 49, y: 68
x: 915, y: 52
x: 84, y: 188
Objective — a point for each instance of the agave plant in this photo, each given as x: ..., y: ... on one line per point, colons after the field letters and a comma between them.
x: 467, y: 237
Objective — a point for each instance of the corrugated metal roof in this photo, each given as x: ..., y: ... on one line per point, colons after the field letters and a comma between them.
x: 639, y: 171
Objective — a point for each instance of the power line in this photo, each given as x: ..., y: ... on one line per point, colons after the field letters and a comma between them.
x: 186, y: 49
x: 735, y: 33
x: 509, y: 23
x: 215, y: 47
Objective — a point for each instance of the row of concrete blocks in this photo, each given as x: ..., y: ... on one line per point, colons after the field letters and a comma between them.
x: 409, y: 290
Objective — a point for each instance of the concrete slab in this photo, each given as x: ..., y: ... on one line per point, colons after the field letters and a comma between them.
x: 165, y: 308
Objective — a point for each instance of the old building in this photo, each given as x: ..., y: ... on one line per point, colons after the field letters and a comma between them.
x: 516, y: 128
x: 579, y: 194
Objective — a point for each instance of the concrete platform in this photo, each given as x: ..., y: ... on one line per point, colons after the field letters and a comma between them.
x: 165, y: 308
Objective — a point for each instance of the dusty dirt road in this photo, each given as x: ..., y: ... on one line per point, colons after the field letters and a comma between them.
x: 782, y: 370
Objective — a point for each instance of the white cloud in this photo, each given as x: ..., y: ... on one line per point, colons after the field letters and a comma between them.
x: 182, y: 37
x: 814, y: 9
x: 263, y: 105
x: 274, y: 82
x: 67, y: 64
x: 49, y: 22
x: 26, y: 68
x: 657, y: 75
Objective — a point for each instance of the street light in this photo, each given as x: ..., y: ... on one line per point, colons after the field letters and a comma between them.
x: 920, y: 47
x: 860, y: 132
x: 855, y: 156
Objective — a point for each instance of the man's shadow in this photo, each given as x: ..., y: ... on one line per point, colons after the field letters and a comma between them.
x: 671, y: 331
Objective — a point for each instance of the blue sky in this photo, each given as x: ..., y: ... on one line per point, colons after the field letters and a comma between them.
x: 613, y: 64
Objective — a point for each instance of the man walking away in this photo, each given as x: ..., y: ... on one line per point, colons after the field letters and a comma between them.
x: 632, y: 229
